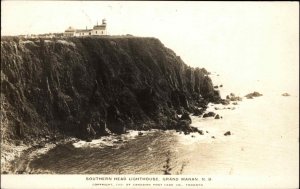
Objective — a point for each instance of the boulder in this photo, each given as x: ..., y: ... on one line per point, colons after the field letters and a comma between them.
x: 209, y: 114
x: 217, y: 116
x: 193, y: 129
x: 186, y: 117
x: 225, y: 101
x: 140, y: 133
x: 227, y: 133
x: 200, y: 132
x: 183, y: 125
x: 254, y: 94
x: 285, y: 94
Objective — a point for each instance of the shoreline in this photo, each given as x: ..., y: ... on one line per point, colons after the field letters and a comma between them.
x: 14, y: 164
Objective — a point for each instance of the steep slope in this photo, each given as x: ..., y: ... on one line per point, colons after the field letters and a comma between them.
x: 79, y: 86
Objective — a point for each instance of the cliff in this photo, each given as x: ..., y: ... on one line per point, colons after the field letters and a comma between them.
x: 79, y: 86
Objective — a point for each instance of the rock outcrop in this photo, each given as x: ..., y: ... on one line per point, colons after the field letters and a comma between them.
x: 227, y: 133
x: 254, y: 94
x: 285, y: 94
x: 92, y: 86
x: 209, y: 114
x: 232, y: 97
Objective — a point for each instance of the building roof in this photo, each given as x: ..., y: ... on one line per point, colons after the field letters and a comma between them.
x: 83, y: 30
x: 101, y: 27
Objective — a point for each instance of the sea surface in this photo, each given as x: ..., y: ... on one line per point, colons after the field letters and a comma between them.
x: 264, y: 141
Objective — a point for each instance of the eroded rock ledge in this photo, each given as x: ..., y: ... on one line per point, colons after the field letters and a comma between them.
x: 92, y: 86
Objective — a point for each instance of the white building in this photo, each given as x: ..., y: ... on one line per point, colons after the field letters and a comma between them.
x: 100, y: 29
x: 97, y: 30
x: 83, y: 32
x: 70, y: 31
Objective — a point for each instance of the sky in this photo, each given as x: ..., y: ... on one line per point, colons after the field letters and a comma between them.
x: 244, y: 41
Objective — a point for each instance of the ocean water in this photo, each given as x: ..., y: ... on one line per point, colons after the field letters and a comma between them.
x: 264, y: 141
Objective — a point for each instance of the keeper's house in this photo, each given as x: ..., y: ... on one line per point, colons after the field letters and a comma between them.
x: 97, y: 30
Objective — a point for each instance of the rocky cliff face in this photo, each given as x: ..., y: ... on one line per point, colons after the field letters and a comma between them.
x: 79, y: 86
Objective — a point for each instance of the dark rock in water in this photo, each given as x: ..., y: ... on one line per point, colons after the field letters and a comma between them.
x: 186, y: 132
x: 183, y: 125
x: 213, y: 137
x: 193, y: 136
x: 206, y: 131
x: 209, y: 114
x: 216, y: 86
x: 254, y: 94
x: 221, y: 85
x: 217, y: 116
x: 232, y: 97
x: 235, y: 103
x: 286, y: 94
x: 186, y: 117
x: 194, y: 129
x: 227, y: 133
x: 200, y: 132
x: 225, y: 101
x: 140, y: 133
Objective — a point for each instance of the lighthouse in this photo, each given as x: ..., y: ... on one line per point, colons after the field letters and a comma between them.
x: 100, y: 29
